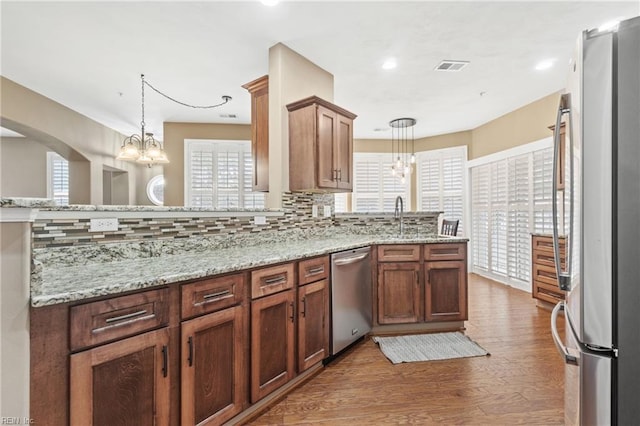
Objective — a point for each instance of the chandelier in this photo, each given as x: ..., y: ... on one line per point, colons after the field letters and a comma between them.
x: 143, y: 148
x: 403, y: 155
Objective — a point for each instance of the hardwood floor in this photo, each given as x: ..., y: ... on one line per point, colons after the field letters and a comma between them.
x: 521, y: 382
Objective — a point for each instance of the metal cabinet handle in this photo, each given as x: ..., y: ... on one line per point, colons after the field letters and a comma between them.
x: 317, y: 270
x: 275, y: 280
x: 190, y: 345
x: 304, y: 307
x: 165, y: 360
x: 217, y: 294
x: 126, y: 316
x: 292, y: 311
x: 564, y: 277
x: 568, y: 358
x: 339, y: 175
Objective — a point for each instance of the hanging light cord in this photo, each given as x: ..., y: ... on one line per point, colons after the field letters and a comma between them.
x: 225, y: 98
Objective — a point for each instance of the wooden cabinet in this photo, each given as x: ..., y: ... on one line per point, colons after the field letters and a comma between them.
x: 320, y: 146
x: 313, y: 312
x: 213, y: 378
x: 259, y: 90
x: 445, y: 290
x: 272, y: 343
x: 399, y: 293
x: 125, y: 381
x: 415, y: 287
x: 272, y: 328
x: 544, y: 281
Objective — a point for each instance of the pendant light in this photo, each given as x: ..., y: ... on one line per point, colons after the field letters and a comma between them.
x: 403, y: 155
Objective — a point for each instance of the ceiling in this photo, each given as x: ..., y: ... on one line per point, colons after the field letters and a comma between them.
x: 89, y: 55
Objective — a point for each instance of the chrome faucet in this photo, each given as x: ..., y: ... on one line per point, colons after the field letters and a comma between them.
x: 400, y: 211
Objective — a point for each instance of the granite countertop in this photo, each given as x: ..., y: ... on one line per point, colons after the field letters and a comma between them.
x: 63, y: 284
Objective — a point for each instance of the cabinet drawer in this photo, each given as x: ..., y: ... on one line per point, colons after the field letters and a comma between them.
x: 445, y: 251
x: 545, y: 244
x: 546, y: 258
x: 545, y: 274
x: 212, y: 294
x: 271, y: 280
x: 399, y: 253
x: 311, y: 270
x: 106, y: 320
x: 547, y: 292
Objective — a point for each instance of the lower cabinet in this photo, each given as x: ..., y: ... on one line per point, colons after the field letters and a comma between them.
x: 272, y: 343
x: 212, y: 382
x: 399, y: 293
x: 122, y: 383
x: 445, y: 290
x: 313, y: 324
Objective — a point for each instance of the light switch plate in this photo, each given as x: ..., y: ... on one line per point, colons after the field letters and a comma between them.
x: 260, y: 220
x: 327, y: 211
x: 314, y: 211
x: 103, y: 224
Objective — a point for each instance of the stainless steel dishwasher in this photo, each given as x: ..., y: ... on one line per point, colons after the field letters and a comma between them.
x: 351, y: 316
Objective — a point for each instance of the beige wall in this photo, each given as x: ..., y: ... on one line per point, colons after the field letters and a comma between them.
x: 88, y: 145
x: 23, y: 164
x: 291, y: 78
x: 174, y: 136
x: 527, y: 124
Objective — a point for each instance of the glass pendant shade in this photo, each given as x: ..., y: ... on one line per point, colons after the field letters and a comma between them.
x: 402, y: 147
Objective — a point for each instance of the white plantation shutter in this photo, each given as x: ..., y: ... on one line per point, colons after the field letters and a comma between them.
x: 374, y: 187
x: 57, y: 178
x: 218, y: 175
x: 510, y: 199
x: 441, y: 182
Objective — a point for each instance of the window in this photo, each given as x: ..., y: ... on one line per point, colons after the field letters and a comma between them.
x: 510, y: 199
x: 218, y: 175
x: 374, y: 187
x: 441, y: 182
x: 57, y: 178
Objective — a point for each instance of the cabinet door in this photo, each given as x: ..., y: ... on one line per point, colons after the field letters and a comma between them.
x: 313, y: 324
x: 446, y: 290
x: 344, y: 153
x: 326, y: 143
x: 399, y: 293
x: 213, y: 385
x: 122, y: 383
x: 259, y: 90
x: 272, y: 350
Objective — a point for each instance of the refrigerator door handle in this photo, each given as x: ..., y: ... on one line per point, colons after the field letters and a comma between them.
x: 564, y: 351
x: 564, y: 277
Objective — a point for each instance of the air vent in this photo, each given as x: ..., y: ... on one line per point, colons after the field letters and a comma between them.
x: 227, y: 116
x: 451, y: 66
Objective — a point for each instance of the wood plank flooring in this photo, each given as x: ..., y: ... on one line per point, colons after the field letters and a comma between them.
x: 521, y: 382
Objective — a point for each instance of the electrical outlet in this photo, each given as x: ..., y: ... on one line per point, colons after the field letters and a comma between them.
x: 103, y: 224
x: 260, y: 220
x: 314, y: 211
x: 327, y: 211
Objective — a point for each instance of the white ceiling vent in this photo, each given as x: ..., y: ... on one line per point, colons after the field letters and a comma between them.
x: 451, y: 65
x: 228, y: 116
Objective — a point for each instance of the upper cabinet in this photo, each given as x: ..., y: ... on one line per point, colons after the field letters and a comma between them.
x: 320, y: 146
x: 259, y: 90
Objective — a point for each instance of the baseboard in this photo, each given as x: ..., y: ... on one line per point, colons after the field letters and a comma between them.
x: 380, y: 330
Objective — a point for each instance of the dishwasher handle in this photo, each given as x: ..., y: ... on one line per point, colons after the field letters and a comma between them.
x: 350, y: 260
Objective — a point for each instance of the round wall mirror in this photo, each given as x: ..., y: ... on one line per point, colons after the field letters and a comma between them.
x: 155, y: 190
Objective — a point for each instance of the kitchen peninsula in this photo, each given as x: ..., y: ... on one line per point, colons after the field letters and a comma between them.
x: 171, y: 282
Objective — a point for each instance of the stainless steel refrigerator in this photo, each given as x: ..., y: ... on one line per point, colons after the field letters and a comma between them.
x: 599, y: 212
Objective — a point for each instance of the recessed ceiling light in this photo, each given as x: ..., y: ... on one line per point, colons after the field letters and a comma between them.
x: 269, y: 2
x: 608, y: 26
x: 389, y: 64
x: 545, y: 65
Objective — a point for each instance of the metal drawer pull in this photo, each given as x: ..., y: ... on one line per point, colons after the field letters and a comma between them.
x: 348, y: 260
x: 218, y: 294
x: 564, y: 351
x: 127, y: 316
x: 317, y: 270
x: 276, y: 280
